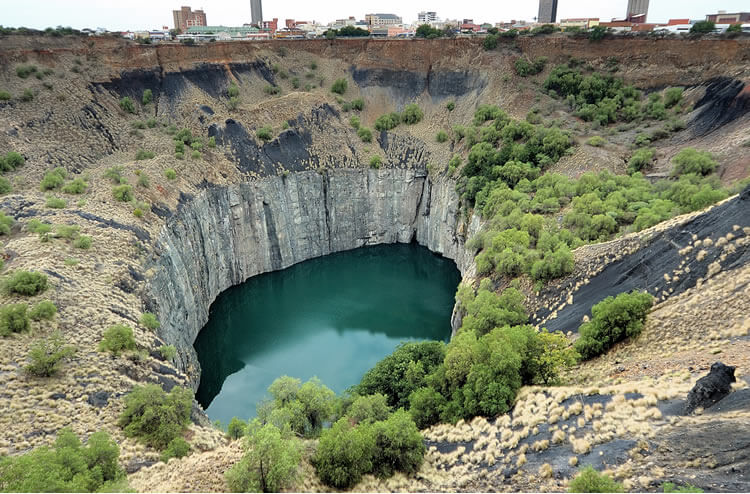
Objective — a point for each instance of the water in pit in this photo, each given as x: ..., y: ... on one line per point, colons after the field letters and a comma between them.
x: 333, y: 317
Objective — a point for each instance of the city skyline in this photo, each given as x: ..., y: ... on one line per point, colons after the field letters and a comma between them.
x: 145, y: 14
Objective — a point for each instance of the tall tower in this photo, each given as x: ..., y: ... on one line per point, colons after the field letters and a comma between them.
x: 637, y: 10
x: 256, y: 12
x: 547, y: 12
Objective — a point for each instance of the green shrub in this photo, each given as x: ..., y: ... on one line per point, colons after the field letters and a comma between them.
x: 596, y: 141
x: 26, y: 283
x: 83, y: 242
x: 149, y: 321
x: 690, y: 160
x: 151, y: 123
x: 27, y: 95
x: 11, y: 161
x: 364, y: 134
x: 233, y: 91
x: 339, y: 86
x: 398, y: 445
x: 43, y: 310
x: 671, y: 487
x: 376, y: 161
x: 156, y: 417
x: 387, y: 121
x: 115, y: 174
x: 272, y: 90
x: 355, y: 122
x: 179, y: 156
x: 24, y: 71
x: 597, y: 33
x: 441, y: 136
x: 68, y: 232
x: 36, y: 226
x: 143, y: 180
x: 170, y: 174
x: 450, y: 106
x: 589, y: 480
x: 489, y: 42
x: 46, y: 355
x: 53, y: 179
x: 270, y: 463
x: 265, y: 133
x: 369, y: 408
x: 358, y: 104
x: 195, y: 155
x: 117, y: 339
x: 123, y: 193
x: 75, y: 186
x: 142, y: 154
x: 4, y: 96
x: 613, y: 320
x: 5, y: 186
x: 6, y: 223
x: 525, y: 68
x: 640, y: 160
x: 138, y: 213
x: 412, y: 114
x: 67, y: 466
x: 55, y: 203
x: 425, y: 405
x: 672, y: 96
x: 14, y: 319
x: 126, y: 104
x: 305, y: 407
x: 344, y: 454
x: 236, y: 428
x: 295, y: 82
x: 177, y: 448
x: 168, y: 352
x: 148, y: 97
x: 703, y: 27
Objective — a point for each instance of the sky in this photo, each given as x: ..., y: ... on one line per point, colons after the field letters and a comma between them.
x: 149, y: 14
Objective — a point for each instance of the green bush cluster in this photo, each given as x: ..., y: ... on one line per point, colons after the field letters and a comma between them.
x: 272, y: 90
x: 6, y: 223
x: 441, y: 136
x: 236, y: 428
x: 387, y: 121
x: 169, y: 352
x: 27, y: 283
x: 305, y: 408
x: 364, y: 134
x: 596, y: 141
x: 76, y: 186
x: 589, y: 480
x: 339, y: 86
x: 46, y: 355
x: 127, y: 105
x: 376, y: 161
x: 148, y: 97
x: 123, y: 193
x: 24, y: 71
x: 613, y: 320
x: 142, y: 154
x: 116, y: 339
x: 11, y: 161
x: 53, y: 179
x: 66, y: 466
x: 177, y: 448
x: 55, y: 202
x: 411, y: 114
x: 524, y: 67
x: 45, y: 309
x: 14, y: 319
x: 154, y: 416
x: 149, y: 321
x: 640, y: 159
x: 170, y: 174
x: 672, y: 488
x: 692, y: 161
x: 264, y: 133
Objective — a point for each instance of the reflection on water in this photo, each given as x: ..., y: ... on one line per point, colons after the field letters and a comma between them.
x: 333, y: 317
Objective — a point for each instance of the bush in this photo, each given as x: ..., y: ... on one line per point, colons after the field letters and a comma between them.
x: 13, y: 319
x: 597, y: 33
x: 703, y: 27
x: 270, y: 463
x: 412, y: 114
x: 117, y: 339
x: 339, y: 86
x: 344, y: 454
x: 149, y: 321
x: 4, y: 96
x: 264, y: 133
x: 177, y: 448
x: 596, y: 141
x: 670, y: 486
x: 6, y: 223
x: 272, y: 90
x: 46, y: 355
x: 67, y: 466
x: 368, y: 409
x: 26, y: 283
x: 114, y: 174
x: 358, y: 104
x: 143, y: 180
x: 489, y: 42
x: 233, y: 91
x: 126, y: 104
x: 156, y: 417
x: 425, y: 405
x: 148, y: 97
x: 387, y: 121
x: 212, y: 142
x: 83, y: 242
x: 5, y: 187
x: 398, y: 446
x: 68, y: 232
x: 376, y: 161
x: 589, y: 480
x: 24, y: 71
x: 237, y: 428
x: 304, y: 407
x: 142, y: 154
x: 55, y: 202
x: 672, y: 96
x: 450, y: 106
x: 123, y: 193
x: 168, y: 352
x: 441, y: 136
x: 525, y: 68
x: 53, y: 179
x: 11, y: 161
x: 76, y: 186
x: 27, y: 95
x: 43, y: 310
x: 170, y: 174
x: 690, y: 160
x: 613, y: 320
x: 364, y: 134
x: 640, y: 160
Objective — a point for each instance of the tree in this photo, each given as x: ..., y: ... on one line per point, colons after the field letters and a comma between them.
x: 703, y: 27
x: 127, y: 105
x: 344, y: 454
x: 398, y: 445
x: 370, y: 408
x: 555, y: 353
x: 270, y: 463
x: 154, y: 416
x: 305, y: 407
x: 425, y: 405
x: 489, y: 42
x: 690, y: 160
x: 427, y: 31
x: 597, y: 33
x: 46, y: 355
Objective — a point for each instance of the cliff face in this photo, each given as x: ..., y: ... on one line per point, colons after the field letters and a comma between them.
x: 227, y: 234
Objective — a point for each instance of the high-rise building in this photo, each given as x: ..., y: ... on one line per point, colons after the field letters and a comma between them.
x: 256, y: 12
x: 547, y: 12
x: 427, y: 17
x: 637, y: 11
x: 186, y: 17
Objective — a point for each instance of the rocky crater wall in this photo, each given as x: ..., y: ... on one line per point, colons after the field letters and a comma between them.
x: 227, y: 234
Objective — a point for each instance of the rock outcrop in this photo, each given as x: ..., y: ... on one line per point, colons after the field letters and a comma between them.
x: 710, y: 389
x: 225, y: 235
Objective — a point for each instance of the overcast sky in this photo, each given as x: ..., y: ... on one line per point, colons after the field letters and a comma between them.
x: 145, y: 14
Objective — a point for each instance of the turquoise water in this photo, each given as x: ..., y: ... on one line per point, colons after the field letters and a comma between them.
x: 332, y: 317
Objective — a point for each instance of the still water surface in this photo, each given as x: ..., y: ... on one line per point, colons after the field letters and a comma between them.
x: 333, y: 317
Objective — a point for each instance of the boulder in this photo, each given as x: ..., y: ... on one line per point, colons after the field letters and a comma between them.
x: 710, y: 389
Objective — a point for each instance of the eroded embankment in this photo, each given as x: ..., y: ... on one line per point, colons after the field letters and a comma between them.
x: 225, y: 235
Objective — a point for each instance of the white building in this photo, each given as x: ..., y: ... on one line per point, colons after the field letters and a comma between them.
x: 427, y: 17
